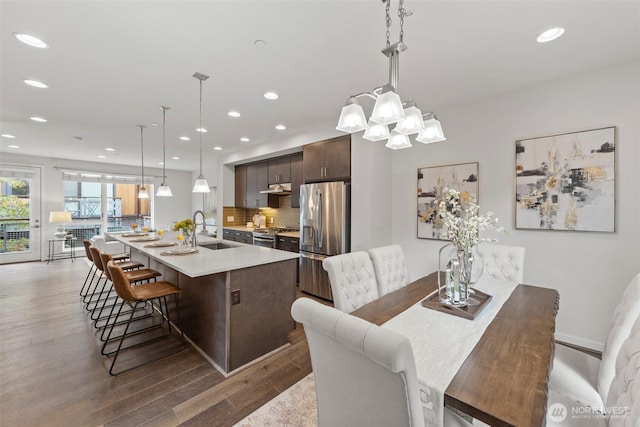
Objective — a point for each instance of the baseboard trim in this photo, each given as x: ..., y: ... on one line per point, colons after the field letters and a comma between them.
x: 576, y: 342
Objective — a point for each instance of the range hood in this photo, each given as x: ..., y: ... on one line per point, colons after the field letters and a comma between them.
x: 278, y: 189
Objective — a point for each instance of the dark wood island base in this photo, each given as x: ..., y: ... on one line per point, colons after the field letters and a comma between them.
x: 234, y: 317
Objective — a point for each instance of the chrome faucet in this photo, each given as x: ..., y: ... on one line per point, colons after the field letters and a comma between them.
x: 194, y: 240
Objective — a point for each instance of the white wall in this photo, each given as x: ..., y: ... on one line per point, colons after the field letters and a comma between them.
x: 165, y: 210
x: 371, y: 189
x: 590, y: 270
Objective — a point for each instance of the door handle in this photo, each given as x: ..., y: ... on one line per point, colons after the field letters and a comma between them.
x: 35, y: 226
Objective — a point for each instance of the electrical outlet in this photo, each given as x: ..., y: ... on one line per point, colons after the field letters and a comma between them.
x: 235, y: 297
x: 230, y: 219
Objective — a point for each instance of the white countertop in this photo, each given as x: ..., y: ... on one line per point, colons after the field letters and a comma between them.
x: 209, y: 261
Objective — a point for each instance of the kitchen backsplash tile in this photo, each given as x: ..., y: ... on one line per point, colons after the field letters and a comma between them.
x: 285, y: 215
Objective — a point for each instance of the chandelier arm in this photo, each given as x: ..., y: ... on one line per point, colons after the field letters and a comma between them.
x: 369, y: 94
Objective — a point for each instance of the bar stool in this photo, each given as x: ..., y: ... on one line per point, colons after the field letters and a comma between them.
x: 134, y: 276
x: 135, y: 295
x: 97, y: 299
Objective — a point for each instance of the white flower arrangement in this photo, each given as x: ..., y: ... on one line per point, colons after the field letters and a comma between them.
x: 461, y: 216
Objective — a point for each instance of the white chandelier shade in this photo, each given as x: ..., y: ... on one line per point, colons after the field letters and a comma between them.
x: 398, y: 141
x: 388, y: 107
x: 432, y: 130
x: 352, y: 117
x: 376, y: 132
x: 412, y: 122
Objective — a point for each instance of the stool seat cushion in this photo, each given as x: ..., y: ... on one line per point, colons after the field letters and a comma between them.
x: 154, y: 290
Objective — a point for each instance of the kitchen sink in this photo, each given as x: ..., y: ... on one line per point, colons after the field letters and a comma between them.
x: 217, y: 246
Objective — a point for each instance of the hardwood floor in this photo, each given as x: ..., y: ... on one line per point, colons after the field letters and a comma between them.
x: 52, y: 373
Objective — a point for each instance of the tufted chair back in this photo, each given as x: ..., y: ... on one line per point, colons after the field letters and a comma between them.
x: 365, y: 375
x: 353, y: 280
x: 624, y: 392
x: 624, y: 317
x: 390, y: 267
x: 502, y: 262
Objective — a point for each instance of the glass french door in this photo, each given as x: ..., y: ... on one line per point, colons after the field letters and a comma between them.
x: 20, y: 232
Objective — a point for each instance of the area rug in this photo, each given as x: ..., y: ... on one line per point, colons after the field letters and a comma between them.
x: 295, y: 407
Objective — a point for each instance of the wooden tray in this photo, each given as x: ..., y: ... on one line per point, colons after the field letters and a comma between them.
x: 478, y: 300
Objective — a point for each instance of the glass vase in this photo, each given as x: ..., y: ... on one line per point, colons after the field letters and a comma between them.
x: 460, y: 271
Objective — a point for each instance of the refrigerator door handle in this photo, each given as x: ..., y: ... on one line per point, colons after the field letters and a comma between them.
x: 320, y: 220
x: 309, y: 255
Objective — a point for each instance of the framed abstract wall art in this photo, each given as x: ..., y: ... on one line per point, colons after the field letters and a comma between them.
x: 431, y: 182
x: 566, y: 182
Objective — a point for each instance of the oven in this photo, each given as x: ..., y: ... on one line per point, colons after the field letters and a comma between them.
x: 265, y: 239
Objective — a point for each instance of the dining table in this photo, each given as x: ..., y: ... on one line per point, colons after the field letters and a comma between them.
x: 503, y: 380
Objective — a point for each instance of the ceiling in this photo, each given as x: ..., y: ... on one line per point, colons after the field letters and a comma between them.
x: 110, y: 64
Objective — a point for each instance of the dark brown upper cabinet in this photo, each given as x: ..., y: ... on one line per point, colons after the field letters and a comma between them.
x: 328, y: 160
x: 279, y: 170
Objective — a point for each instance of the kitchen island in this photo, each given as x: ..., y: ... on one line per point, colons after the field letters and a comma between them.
x: 235, y: 301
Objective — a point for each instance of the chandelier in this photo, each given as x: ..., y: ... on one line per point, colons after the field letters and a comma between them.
x: 388, y: 110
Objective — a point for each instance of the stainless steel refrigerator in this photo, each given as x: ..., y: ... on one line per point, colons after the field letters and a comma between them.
x: 324, y: 231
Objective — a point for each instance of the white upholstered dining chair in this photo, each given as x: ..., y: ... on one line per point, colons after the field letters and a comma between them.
x: 586, y: 378
x: 390, y: 268
x: 620, y: 407
x: 502, y: 262
x: 353, y: 280
x: 365, y: 375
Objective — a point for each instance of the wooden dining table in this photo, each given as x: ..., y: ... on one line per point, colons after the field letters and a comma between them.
x: 504, y: 381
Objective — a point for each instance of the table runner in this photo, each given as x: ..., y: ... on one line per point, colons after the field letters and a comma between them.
x: 441, y: 343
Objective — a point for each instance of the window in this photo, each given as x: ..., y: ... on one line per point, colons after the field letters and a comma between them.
x: 98, y: 202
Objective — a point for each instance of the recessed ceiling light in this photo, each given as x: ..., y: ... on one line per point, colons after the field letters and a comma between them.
x: 31, y: 40
x: 102, y: 157
x: 271, y: 95
x: 550, y: 34
x: 161, y: 163
x: 185, y: 138
x: 154, y: 124
x: 110, y: 149
x: 13, y: 146
x: 233, y: 114
x: 245, y: 139
x: 281, y: 127
x: 36, y: 83
x: 6, y: 135
x: 260, y: 43
x: 203, y: 130
x: 217, y: 148
x: 175, y: 158
x: 38, y: 119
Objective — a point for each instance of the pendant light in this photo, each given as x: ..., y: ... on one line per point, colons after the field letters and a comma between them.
x: 201, y: 185
x: 164, y: 190
x: 142, y: 194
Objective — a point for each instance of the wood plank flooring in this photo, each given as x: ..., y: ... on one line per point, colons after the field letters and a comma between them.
x: 52, y: 373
